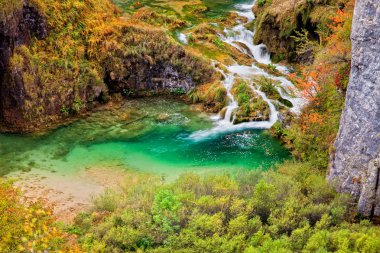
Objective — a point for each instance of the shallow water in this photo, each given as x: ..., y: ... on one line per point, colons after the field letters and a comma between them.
x: 149, y: 135
x: 219, y: 8
x: 216, y: 8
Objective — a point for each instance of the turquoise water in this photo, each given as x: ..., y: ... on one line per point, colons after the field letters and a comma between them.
x: 219, y: 8
x: 150, y: 135
x: 216, y: 8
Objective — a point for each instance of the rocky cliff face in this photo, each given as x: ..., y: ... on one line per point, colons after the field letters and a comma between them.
x: 143, y: 77
x: 279, y: 21
x: 17, y: 29
x: 355, y: 163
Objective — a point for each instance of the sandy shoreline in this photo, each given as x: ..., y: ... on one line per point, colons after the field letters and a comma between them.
x: 70, y: 194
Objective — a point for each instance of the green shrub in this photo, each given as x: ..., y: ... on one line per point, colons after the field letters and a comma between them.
x: 218, y: 42
x: 165, y: 209
x: 261, y: 3
x: 290, y: 210
x: 28, y: 227
x: 106, y: 201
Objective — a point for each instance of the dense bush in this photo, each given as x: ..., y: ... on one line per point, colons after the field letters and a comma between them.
x: 27, y: 228
x: 323, y: 86
x: 292, y: 210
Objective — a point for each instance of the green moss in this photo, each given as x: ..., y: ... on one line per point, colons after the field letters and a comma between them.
x: 268, y: 87
x: 218, y: 42
x: 198, y: 10
x: 159, y: 19
x: 251, y: 106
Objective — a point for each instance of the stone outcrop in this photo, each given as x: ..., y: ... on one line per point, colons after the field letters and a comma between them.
x: 355, y: 163
x: 17, y: 29
x: 143, y: 77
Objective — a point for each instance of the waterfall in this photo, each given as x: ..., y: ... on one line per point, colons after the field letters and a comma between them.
x: 237, y: 36
x: 183, y: 38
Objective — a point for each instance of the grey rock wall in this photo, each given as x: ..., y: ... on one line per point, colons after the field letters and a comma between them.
x: 355, y: 162
x: 144, y: 77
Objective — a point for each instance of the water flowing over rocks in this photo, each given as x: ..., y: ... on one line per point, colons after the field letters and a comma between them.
x: 241, y: 38
x: 355, y: 164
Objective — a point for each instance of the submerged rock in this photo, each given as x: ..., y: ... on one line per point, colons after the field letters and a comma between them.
x: 162, y: 117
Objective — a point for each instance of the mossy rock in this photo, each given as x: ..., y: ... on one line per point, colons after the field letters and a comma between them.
x: 251, y: 106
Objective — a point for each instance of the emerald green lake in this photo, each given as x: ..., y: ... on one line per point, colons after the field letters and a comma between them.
x: 149, y: 135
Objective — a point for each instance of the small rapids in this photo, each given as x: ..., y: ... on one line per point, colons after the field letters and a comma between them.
x: 183, y: 38
x: 236, y: 37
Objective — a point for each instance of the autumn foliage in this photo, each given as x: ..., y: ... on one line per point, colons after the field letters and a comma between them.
x: 28, y: 227
x: 323, y: 85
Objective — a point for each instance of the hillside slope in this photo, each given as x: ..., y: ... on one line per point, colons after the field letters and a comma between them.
x: 60, y: 58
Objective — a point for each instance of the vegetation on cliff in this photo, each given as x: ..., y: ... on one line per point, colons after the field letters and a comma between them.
x: 7, y: 9
x: 280, y: 24
x: 324, y: 84
x: 88, y: 43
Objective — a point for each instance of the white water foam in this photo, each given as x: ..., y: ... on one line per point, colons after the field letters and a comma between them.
x: 242, y: 39
x: 183, y: 38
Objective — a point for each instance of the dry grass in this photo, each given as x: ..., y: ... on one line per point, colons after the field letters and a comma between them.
x: 8, y: 7
x: 178, y: 5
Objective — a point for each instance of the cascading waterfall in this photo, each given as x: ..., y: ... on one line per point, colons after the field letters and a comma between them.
x: 237, y: 36
x: 240, y: 34
x: 183, y: 38
x: 233, y: 104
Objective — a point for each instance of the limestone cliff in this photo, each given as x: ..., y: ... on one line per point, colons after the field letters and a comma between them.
x: 355, y: 162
